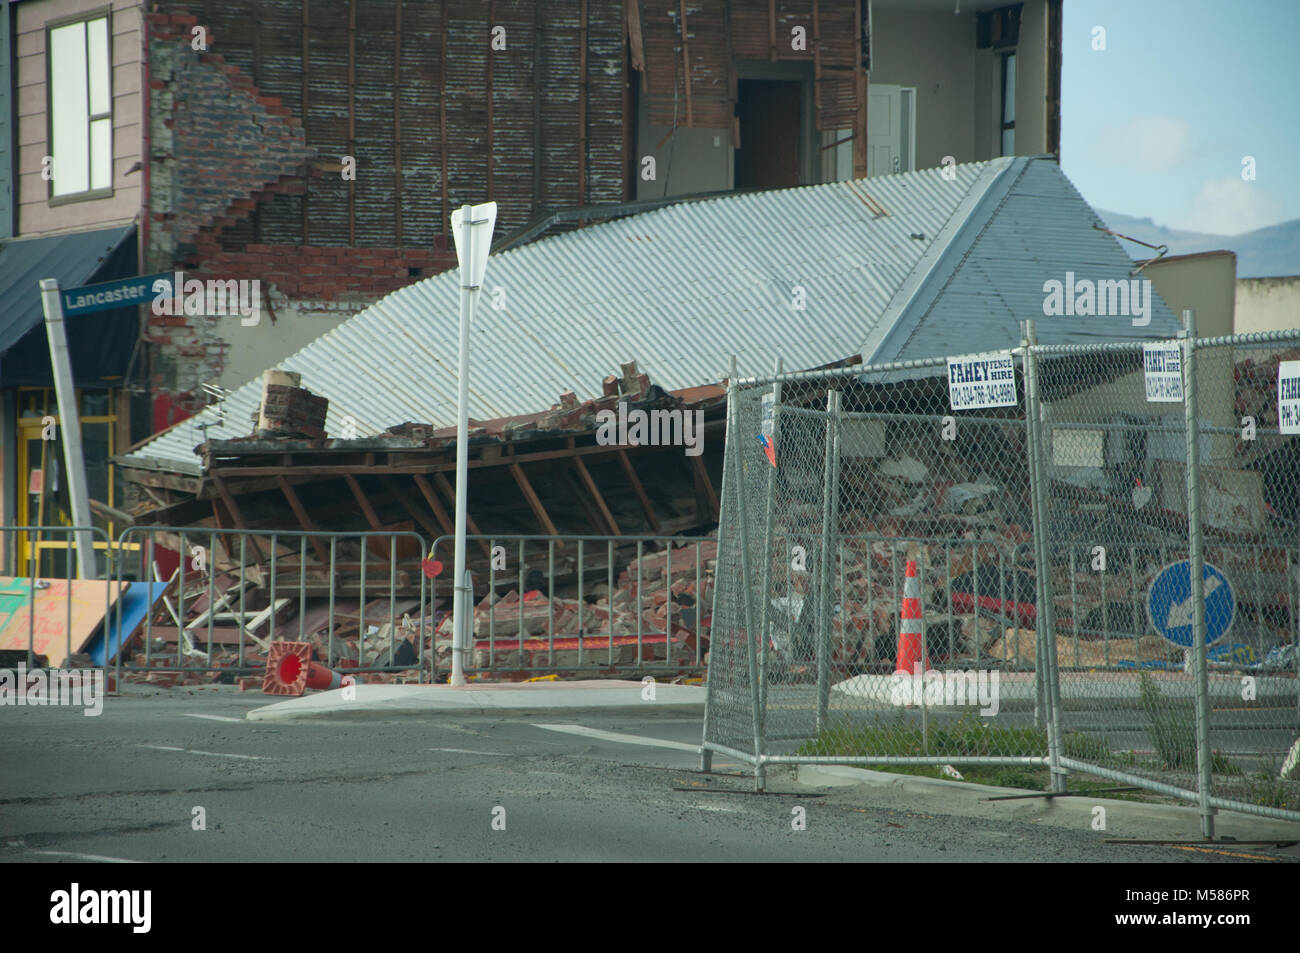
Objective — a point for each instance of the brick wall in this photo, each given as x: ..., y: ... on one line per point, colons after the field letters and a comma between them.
x: 326, y: 272
x: 219, y: 147
x: 221, y: 151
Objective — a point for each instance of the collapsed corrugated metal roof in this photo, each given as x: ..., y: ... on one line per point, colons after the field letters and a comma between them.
x: 916, y: 264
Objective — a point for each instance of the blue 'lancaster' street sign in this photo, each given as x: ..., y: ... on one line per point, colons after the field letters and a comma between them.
x: 1170, y: 607
x: 122, y: 293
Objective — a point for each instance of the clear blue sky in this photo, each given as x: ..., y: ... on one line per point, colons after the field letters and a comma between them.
x: 1157, y: 124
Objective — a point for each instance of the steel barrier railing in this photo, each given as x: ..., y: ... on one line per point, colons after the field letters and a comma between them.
x: 586, y: 635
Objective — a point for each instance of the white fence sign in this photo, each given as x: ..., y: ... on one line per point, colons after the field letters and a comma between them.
x: 985, y: 381
x: 1163, y: 365
x: 1288, y: 396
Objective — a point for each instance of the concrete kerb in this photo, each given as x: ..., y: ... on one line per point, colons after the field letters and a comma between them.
x: 388, y: 700
x: 1123, y: 818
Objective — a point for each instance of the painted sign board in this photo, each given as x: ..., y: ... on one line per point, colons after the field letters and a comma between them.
x: 49, y: 626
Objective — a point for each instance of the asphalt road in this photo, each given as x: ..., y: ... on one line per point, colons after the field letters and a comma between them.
x: 126, y: 785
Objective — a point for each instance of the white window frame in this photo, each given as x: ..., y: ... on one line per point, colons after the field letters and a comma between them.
x: 94, y: 188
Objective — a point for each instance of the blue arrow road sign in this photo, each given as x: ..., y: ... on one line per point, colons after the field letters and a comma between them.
x: 1170, y: 607
x: 122, y: 293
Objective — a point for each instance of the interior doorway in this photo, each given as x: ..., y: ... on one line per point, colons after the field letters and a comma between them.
x: 770, y: 115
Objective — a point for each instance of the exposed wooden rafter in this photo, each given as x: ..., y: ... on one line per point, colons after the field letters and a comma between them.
x: 364, y: 502
x: 304, y: 519
x: 585, y: 474
x: 703, y: 482
x: 450, y: 493
x: 408, y: 504
x: 639, y: 490
x: 534, y: 502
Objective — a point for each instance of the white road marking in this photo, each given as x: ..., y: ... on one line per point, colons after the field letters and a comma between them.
x: 620, y: 738
x: 97, y: 858
x: 213, y: 717
x: 210, y: 754
x: 494, y: 754
x: 718, y: 808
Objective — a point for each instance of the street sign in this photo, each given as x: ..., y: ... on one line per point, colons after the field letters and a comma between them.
x: 1170, y: 606
x: 988, y: 380
x: 122, y: 293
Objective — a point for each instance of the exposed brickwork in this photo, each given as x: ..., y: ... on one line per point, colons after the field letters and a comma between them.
x: 327, y: 272
x: 221, y: 149
x: 219, y: 146
x: 294, y: 410
x: 334, y: 281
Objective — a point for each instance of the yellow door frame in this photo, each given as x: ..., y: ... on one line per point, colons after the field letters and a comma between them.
x: 41, y: 401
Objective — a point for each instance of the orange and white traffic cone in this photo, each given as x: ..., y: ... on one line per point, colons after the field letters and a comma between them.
x: 290, y: 671
x: 910, y: 625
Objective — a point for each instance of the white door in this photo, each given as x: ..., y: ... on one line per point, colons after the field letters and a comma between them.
x: 891, y: 129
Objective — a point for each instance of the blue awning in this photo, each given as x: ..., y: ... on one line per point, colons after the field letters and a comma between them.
x: 101, y: 343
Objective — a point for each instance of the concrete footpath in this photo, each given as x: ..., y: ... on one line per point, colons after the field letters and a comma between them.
x: 1121, y: 818
x: 603, y: 694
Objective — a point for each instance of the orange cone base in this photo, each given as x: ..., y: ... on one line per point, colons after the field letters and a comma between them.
x: 909, y: 652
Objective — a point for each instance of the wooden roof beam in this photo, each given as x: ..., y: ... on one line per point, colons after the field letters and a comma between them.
x: 639, y: 490
x: 585, y: 474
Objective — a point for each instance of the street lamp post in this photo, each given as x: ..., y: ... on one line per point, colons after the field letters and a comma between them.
x: 471, y: 225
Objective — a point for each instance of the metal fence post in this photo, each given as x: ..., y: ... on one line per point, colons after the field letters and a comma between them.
x: 1045, y: 616
x: 824, y: 575
x: 1196, y: 559
x: 769, y: 524
x: 747, y: 577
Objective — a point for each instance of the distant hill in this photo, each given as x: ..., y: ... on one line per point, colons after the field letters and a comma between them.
x: 1264, y: 253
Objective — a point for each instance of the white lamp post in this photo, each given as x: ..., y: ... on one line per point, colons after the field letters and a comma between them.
x: 472, y: 227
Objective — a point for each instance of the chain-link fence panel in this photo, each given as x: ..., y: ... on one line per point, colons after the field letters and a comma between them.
x: 1113, y: 470
x: 1249, y: 487
x: 1120, y: 424
x: 875, y: 581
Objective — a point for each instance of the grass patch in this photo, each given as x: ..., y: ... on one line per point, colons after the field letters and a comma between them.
x: 966, y: 738
x: 1173, y: 732
x: 1269, y: 790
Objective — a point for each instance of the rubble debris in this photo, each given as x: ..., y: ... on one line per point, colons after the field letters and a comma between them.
x: 584, y: 630
x: 1020, y: 646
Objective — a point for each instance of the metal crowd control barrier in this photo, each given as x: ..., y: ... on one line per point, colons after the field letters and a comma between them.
x: 15, y: 597
x: 335, y: 572
x: 570, y: 633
